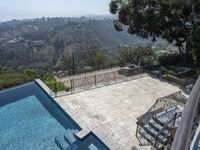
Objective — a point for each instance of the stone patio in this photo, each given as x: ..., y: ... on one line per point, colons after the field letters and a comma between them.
x: 111, y: 111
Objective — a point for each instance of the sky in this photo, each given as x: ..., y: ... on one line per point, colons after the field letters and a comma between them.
x: 25, y: 9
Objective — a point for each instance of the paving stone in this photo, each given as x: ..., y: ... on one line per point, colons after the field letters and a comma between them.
x: 114, y: 109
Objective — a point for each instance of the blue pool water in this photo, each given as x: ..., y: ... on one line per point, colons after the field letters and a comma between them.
x: 27, y: 124
x: 31, y: 120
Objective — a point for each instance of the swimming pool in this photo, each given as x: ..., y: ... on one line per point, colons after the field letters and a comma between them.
x: 31, y: 119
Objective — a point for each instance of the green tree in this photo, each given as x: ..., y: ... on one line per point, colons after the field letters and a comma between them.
x: 59, y: 46
x: 66, y: 61
x: 169, y: 19
x: 100, y: 57
x: 137, y: 56
x: 31, y: 73
x: 93, y: 57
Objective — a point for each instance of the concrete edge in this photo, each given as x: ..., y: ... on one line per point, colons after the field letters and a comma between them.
x: 45, y: 87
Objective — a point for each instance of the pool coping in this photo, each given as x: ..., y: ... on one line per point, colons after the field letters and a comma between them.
x: 43, y: 87
x: 79, y: 135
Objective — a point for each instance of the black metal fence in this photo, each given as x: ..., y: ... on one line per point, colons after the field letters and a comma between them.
x: 176, y: 99
x: 84, y: 70
x: 162, y: 104
x: 89, y: 81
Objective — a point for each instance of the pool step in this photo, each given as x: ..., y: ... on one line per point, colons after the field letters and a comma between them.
x: 74, y: 146
x: 61, y: 143
x: 69, y: 137
x: 92, y: 147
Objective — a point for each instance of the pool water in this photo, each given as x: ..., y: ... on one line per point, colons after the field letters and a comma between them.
x: 25, y: 122
x: 30, y: 119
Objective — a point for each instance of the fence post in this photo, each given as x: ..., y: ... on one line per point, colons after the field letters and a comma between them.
x: 114, y: 76
x: 95, y: 79
x: 71, y: 82
x: 56, y: 89
x: 175, y: 116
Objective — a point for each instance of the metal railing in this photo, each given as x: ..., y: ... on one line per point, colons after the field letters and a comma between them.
x: 176, y: 99
x: 189, y: 122
x: 85, y: 82
x: 85, y: 70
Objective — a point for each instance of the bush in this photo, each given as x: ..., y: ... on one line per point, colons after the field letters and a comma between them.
x: 55, y: 86
x: 10, y: 78
x: 163, y: 53
x: 31, y: 73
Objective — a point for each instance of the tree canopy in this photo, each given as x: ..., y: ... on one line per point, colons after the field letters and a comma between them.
x: 169, y: 19
x: 137, y: 55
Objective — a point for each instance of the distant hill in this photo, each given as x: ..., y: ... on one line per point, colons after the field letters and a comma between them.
x: 41, y: 43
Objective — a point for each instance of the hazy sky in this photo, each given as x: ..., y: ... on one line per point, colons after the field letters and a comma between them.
x: 20, y: 9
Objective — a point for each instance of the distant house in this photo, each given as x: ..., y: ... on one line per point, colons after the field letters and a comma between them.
x: 38, y: 43
x: 12, y: 42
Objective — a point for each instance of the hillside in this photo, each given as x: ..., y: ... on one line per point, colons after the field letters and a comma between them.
x: 44, y: 43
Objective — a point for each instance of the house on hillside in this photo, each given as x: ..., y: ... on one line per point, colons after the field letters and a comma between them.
x: 39, y: 43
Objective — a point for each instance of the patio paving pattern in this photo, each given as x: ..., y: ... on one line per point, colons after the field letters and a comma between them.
x: 111, y: 111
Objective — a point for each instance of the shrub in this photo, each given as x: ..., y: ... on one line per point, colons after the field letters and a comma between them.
x: 162, y: 53
x: 10, y: 78
x: 55, y: 86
